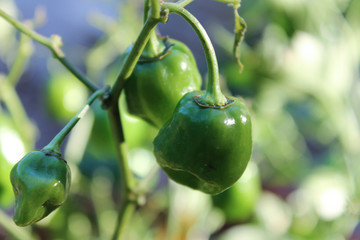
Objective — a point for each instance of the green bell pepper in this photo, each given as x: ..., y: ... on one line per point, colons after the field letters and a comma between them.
x: 205, y: 148
x: 41, y: 182
x: 159, y: 81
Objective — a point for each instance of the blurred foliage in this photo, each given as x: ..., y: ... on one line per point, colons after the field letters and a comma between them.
x: 301, y: 79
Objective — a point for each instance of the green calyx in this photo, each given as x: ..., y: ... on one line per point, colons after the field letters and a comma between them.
x: 41, y: 182
x: 205, y: 148
x: 154, y: 48
x: 158, y: 83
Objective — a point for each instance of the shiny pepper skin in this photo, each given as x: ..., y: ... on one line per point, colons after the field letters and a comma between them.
x: 157, y: 84
x: 205, y: 148
x: 41, y: 182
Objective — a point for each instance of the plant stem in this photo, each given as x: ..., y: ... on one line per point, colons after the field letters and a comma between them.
x: 127, y: 202
x: 77, y: 74
x: 55, y: 143
x: 134, y: 55
x: 213, y: 95
x: 230, y: 1
x: 54, y: 44
x: 126, y: 210
x: 153, y: 47
x: 25, y: 49
x: 147, y: 5
x: 128, y: 196
x: 155, y: 9
x: 183, y: 3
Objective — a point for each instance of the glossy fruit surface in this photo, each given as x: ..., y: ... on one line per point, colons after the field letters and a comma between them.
x: 205, y: 148
x: 41, y: 183
x: 157, y: 84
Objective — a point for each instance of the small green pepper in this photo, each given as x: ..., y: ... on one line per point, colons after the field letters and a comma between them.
x: 41, y: 182
x: 205, y: 148
x: 239, y: 201
x: 160, y: 80
x: 41, y: 179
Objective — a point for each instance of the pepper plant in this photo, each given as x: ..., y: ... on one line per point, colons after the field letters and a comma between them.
x: 204, y: 140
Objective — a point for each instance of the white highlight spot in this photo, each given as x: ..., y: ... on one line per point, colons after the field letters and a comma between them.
x: 243, y: 119
x: 83, y: 112
x: 229, y: 121
x: 183, y: 66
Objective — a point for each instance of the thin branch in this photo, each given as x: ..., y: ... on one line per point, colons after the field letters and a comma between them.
x: 183, y: 3
x: 54, y: 44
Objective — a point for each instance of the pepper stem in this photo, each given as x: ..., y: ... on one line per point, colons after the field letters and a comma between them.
x: 213, y: 95
x: 153, y: 47
x: 134, y: 55
x: 55, y: 143
x: 54, y: 44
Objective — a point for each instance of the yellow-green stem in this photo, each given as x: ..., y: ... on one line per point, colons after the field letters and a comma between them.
x: 55, y: 143
x: 183, y: 3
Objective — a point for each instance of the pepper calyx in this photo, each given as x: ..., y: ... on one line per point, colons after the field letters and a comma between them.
x: 164, y: 53
x: 53, y: 154
x: 199, y: 100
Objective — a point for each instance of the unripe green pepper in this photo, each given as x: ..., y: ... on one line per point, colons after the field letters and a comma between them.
x: 158, y: 82
x: 205, y: 148
x: 238, y: 202
x: 65, y: 95
x: 41, y: 182
x: 41, y: 179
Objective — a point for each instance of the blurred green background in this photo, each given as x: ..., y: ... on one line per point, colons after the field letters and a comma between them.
x: 301, y: 81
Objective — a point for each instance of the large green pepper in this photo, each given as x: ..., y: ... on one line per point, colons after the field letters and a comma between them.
x: 41, y: 182
x: 205, y: 148
x: 207, y: 143
x: 159, y: 81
